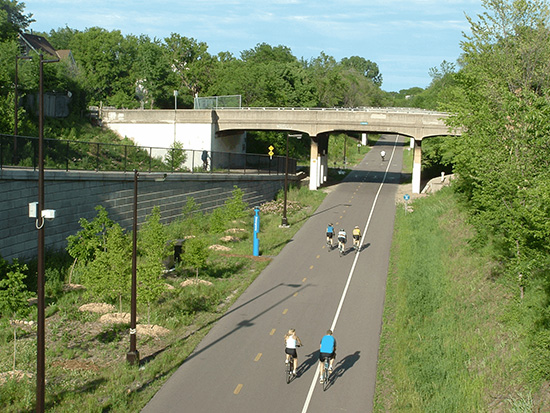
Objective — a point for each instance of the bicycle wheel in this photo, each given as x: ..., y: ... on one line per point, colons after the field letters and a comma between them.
x: 325, y: 376
x: 288, y: 370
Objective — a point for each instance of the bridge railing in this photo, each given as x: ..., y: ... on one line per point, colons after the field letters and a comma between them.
x: 71, y: 155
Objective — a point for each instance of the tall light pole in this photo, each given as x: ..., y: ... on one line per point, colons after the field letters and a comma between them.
x: 40, y: 341
x: 175, y: 112
x: 133, y: 355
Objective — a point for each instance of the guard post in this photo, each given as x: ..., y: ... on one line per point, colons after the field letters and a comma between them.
x: 256, y: 243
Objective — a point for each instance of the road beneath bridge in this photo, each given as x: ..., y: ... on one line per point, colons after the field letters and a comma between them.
x: 239, y: 366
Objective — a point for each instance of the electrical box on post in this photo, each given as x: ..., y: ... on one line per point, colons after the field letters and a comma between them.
x: 33, y: 210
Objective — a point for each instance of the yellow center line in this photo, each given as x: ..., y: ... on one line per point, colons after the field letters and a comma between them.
x: 318, y: 256
x: 304, y: 280
x: 272, y: 332
x: 295, y: 294
x: 285, y: 311
x: 258, y: 357
x: 238, y: 389
x: 311, y: 267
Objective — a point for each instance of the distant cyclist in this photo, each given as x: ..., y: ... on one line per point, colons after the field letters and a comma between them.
x: 330, y: 234
x: 356, y: 237
x: 327, y: 350
x: 342, y: 239
x: 383, y: 155
x: 291, y: 342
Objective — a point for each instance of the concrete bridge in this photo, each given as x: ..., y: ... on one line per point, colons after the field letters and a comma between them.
x: 225, y: 129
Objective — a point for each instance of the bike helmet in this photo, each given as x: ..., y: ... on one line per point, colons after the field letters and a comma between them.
x: 342, y: 229
x: 357, y: 226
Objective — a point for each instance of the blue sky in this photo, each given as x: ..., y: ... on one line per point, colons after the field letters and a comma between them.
x: 404, y: 37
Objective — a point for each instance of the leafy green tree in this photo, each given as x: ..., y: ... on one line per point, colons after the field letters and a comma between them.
x: 153, y: 248
x: 14, y: 298
x: 191, y: 62
x: 195, y: 254
x: 363, y: 67
x: 235, y: 207
x: 105, y: 60
x: 108, y: 275
x: 12, y: 19
x: 91, y: 239
x: 175, y: 158
x: 500, y: 99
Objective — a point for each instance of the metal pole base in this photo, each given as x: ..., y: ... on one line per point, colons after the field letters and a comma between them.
x: 132, y: 357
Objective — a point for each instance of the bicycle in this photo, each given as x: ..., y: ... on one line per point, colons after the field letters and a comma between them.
x: 326, y: 373
x: 329, y: 244
x: 289, y: 369
x: 341, y: 247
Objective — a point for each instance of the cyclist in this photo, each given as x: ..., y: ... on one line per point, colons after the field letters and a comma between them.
x: 328, y: 349
x: 291, y: 342
x: 383, y: 155
x: 342, y: 238
x: 356, y: 237
x: 330, y: 234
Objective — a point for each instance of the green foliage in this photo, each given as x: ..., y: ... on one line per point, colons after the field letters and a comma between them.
x: 108, y: 275
x: 12, y: 19
x: 153, y: 248
x: 176, y: 157
x: 500, y: 99
x: 13, y: 291
x: 235, y: 208
x: 195, y: 254
x: 91, y: 238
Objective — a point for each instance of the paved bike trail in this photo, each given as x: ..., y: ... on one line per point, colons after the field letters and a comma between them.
x: 239, y: 365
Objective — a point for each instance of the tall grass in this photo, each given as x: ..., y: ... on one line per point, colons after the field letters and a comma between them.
x: 449, y: 342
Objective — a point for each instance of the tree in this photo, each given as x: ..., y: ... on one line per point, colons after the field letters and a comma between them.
x: 175, y: 158
x: 108, y: 275
x: 12, y: 19
x: 153, y: 248
x: 190, y: 61
x: 14, y: 297
x: 195, y: 254
x: 364, y: 67
x: 105, y: 59
x: 500, y: 99
x: 91, y: 239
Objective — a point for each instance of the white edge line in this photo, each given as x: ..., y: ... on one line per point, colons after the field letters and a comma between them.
x: 350, y: 276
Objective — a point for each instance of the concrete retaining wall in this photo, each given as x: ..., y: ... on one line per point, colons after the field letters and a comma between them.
x: 75, y: 195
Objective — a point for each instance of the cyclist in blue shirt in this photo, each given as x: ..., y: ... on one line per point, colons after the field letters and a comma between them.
x: 328, y: 349
x: 330, y: 234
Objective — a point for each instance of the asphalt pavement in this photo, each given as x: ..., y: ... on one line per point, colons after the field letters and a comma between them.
x: 239, y: 365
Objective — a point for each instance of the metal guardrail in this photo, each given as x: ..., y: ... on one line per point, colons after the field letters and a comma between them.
x: 70, y: 155
x: 357, y: 109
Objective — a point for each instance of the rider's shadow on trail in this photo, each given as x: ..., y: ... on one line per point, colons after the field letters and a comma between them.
x: 342, y: 366
x: 311, y: 361
x: 364, y: 246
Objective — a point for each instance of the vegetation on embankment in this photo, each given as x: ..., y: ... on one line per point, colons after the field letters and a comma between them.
x: 86, y: 367
x: 456, y: 336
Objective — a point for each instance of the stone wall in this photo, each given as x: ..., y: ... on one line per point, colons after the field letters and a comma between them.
x: 75, y: 195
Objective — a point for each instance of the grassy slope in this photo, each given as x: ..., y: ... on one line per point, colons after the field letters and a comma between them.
x: 454, y: 338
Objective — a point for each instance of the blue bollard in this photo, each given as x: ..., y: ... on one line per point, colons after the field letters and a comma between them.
x: 256, y: 244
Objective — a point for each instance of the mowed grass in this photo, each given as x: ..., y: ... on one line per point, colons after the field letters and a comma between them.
x: 454, y: 336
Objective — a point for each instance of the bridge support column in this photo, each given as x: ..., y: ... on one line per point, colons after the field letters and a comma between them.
x: 417, y: 166
x: 314, y: 165
x: 364, y: 139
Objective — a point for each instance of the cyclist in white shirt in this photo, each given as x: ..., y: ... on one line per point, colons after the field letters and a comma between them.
x: 291, y: 342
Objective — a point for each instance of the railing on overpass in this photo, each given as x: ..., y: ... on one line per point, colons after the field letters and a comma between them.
x: 335, y: 109
x: 71, y: 155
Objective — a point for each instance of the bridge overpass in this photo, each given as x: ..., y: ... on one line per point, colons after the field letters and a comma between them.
x: 224, y: 129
